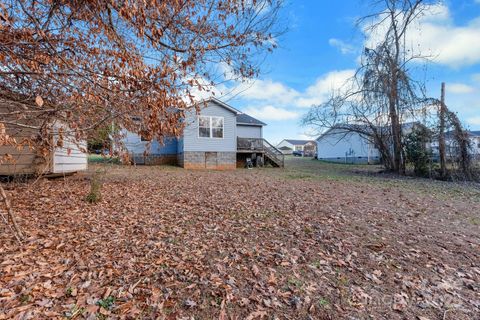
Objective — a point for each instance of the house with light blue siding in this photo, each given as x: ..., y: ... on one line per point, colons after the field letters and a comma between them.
x: 217, y: 137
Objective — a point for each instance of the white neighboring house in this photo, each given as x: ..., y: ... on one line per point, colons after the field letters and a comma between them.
x: 339, y: 145
x: 452, y: 150
x: 287, y: 146
x: 345, y: 146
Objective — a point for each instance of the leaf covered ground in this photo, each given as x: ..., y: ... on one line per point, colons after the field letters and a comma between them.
x: 305, y: 242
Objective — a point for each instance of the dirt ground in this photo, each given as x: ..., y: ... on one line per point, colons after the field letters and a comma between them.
x: 311, y: 241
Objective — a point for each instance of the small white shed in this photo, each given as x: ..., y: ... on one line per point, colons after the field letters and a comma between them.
x: 26, y: 160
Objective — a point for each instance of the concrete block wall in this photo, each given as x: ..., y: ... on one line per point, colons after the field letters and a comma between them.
x: 154, y: 159
x: 180, y: 159
x: 164, y: 159
x: 209, y: 160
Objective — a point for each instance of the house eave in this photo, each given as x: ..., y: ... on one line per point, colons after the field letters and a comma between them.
x: 220, y: 103
x: 251, y: 124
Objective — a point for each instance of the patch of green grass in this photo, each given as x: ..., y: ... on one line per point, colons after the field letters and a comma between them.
x: 363, y: 175
x: 98, y: 158
x: 323, y: 303
x: 308, y: 229
x: 24, y: 298
x: 475, y: 221
x: 106, y: 303
x: 74, y: 312
x: 295, y: 282
x: 100, y: 316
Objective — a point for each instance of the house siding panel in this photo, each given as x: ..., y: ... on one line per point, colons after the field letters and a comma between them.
x: 341, y: 147
x: 244, y: 131
x: 69, y: 157
x: 134, y: 144
x: 191, y: 140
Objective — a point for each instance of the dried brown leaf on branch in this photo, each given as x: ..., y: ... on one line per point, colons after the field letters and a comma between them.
x: 84, y: 64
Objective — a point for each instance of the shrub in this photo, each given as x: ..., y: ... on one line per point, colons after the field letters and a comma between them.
x: 417, y: 152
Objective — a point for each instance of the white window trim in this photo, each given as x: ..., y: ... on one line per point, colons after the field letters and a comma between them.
x: 210, y: 127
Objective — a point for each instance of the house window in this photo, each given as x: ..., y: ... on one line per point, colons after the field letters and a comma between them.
x: 298, y: 148
x: 210, y: 127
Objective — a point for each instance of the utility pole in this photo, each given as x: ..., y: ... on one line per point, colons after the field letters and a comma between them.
x: 441, y: 137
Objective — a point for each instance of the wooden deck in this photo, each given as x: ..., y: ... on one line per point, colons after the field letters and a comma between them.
x: 261, y: 146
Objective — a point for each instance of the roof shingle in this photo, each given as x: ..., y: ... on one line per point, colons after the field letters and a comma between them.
x: 244, y: 118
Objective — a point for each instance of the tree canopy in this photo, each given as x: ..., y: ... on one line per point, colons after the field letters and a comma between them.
x: 84, y: 63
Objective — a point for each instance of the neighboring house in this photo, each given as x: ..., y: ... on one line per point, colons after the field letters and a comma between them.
x: 287, y: 146
x: 452, y: 148
x: 475, y: 143
x: 25, y: 161
x: 285, y: 150
x: 344, y: 146
x: 218, y: 137
x: 339, y: 145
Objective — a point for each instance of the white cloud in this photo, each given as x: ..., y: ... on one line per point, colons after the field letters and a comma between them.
x: 475, y: 121
x: 344, y: 47
x: 322, y: 89
x: 436, y: 35
x: 273, y: 93
x: 267, y: 90
x: 271, y: 113
x: 459, y: 88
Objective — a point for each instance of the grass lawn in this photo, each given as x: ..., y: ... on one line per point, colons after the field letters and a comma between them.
x: 311, y: 241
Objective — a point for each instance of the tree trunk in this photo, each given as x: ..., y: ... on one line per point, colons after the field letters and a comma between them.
x: 441, y: 135
x: 395, y: 124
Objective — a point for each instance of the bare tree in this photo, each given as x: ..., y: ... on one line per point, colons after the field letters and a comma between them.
x: 382, y: 94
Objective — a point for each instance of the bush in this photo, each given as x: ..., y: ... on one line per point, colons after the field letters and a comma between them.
x: 416, y: 151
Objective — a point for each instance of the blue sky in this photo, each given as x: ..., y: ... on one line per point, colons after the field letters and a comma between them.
x: 321, y: 49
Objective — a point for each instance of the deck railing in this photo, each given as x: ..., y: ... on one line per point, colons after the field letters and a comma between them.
x: 250, y: 144
x: 262, y: 146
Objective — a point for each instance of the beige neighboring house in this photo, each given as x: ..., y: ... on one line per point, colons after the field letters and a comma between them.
x: 25, y: 161
x: 308, y: 147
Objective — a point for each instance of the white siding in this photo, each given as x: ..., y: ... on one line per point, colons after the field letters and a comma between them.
x: 338, y: 145
x: 285, y: 143
x: 191, y: 140
x: 244, y: 131
x: 70, y: 157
